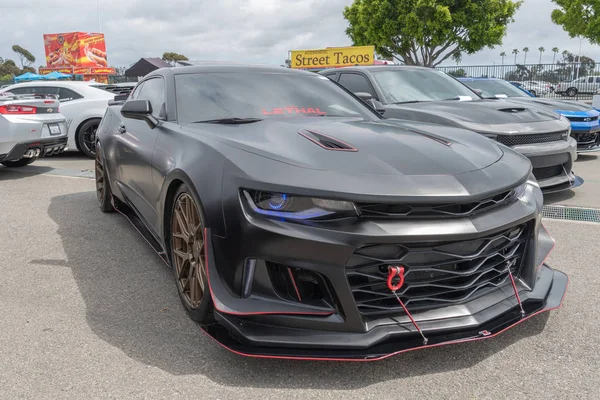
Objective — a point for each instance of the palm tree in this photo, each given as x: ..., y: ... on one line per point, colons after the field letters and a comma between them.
x: 525, y: 50
x: 515, y: 52
x: 503, y: 54
x: 541, y: 49
x: 555, y: 51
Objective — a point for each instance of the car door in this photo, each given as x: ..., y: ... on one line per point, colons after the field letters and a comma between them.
x: 134, y: 145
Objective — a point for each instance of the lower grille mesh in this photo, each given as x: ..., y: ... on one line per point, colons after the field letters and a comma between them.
x: 548, y: 172
x: 439, y: 275
x: 515, y: 140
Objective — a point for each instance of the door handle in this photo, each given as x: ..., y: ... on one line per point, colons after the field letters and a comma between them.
x: 121, y: 129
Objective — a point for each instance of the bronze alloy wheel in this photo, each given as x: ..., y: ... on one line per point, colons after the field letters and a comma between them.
x: 100, y: 187
x: 187, y: 245
x: 103, y: 192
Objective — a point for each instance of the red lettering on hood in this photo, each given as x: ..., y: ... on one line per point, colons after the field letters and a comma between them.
x: 291, y: 110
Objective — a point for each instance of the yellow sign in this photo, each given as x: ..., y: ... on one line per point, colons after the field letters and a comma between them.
x: 333, y: 57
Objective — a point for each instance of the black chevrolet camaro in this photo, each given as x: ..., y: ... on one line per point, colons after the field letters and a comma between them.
x: 300, y: 223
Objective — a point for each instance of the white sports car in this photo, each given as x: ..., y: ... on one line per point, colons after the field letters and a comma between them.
x: 82, y: 104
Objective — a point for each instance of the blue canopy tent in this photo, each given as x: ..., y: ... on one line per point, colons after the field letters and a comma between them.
x: 56, y: 75
x: 27, y: 76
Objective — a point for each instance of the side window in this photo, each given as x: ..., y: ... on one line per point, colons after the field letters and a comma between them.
x: 65, y: 94
x: 598, y: 79
x: 154, y: 91
x: 591, y: 79
x: 24, y: 90
x: 331, y: 76
x: 356, y: 83
x: 136, y: 92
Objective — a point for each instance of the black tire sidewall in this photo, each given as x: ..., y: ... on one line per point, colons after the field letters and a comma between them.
x: 202, y: 314
x: 571, y: 90
x: 79, y: 136
x: 19, y: 163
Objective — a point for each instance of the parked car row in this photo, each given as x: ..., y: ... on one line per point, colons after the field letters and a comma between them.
x: 82, y: 103
x: 431, y: 96
x: 350, y: 216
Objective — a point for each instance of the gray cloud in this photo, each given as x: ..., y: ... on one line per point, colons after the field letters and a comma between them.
x: 241, y: 30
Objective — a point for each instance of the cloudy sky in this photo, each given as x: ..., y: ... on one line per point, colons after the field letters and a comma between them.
x: 242, y: 30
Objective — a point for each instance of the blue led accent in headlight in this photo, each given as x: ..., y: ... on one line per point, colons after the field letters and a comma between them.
x: 278, y: 201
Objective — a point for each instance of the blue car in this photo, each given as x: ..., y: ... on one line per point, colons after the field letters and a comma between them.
x: 585, y: 127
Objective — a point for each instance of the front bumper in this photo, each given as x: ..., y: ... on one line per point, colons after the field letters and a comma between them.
x: 255, y: 339
x: 263, y: 323
x: 588, y: 140
x: 553, y: 164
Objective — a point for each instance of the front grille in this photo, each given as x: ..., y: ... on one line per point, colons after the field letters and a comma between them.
x: 401, y: 210
x: 436, y: 275
x: 548, y: 172
x: 585, y: 137
x: 582, y: 119
x: 515, y: 140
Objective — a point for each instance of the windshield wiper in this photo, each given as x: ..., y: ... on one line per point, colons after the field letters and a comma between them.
x: 229, y: 121
x: 406, y: 102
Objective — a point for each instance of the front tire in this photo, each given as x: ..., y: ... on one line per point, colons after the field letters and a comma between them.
x: 571, y: 92
x: 19, y: 163
x: 187, y: 249
x: 86, y: 137
x: 103, y: 191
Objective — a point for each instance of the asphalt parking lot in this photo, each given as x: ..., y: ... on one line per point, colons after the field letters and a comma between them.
x: 89, y: 311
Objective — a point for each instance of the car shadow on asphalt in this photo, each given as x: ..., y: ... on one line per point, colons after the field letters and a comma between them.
x: 132, y: 304
x: 7, y: 174
x: 586, y: 157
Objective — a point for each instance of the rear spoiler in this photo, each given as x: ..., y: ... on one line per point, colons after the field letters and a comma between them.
x: 28, y: 96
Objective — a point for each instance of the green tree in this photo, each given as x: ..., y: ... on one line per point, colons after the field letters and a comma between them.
x: 9, y: 68
x: 579, y: 18
x: 515, y: 52
x: 555, y: 50
x: 525, y: 50
x: 427, y: 32
x: 541, y: 50
x: 24, y: 55
x: 174, y: 58
x: 458, y: 73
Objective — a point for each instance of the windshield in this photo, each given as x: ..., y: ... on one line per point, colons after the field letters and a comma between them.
x: 410, y: 85
x: 213, y: 96
x: 490, y: 88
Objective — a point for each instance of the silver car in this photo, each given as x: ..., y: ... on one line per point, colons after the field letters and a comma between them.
x: 31, y: 126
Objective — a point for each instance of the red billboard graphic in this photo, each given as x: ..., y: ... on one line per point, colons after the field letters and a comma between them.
x: 75, y: 49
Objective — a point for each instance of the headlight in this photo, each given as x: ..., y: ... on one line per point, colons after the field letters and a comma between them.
x: 526, y: 191
x: 283, y: 205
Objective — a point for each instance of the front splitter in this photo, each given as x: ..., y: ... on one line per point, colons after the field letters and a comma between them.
x: 392, y: 347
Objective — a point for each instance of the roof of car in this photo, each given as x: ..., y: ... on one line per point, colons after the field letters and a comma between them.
x: 67, y: 84
x: 217, y: 66
x: 371, y: 68
x: 468, y: 78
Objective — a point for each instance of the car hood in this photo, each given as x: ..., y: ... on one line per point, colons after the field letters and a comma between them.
x: 556, y: 105
x: 488, y: 111
x: 381, y: 148
x: 483, y: 116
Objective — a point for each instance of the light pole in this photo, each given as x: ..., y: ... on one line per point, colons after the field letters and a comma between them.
x: 98, y: 11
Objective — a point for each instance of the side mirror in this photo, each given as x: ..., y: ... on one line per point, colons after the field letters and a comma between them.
x: 363, y: 95
x: 478, y: 91
x: 376, y: 105
x: 141, y: 110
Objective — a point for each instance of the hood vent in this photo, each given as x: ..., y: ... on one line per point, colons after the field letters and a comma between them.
x: 325, y: 141
x: 513, y: 109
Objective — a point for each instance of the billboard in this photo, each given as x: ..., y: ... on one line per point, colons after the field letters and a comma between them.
x: 75, y: 49
x: 332, y: 57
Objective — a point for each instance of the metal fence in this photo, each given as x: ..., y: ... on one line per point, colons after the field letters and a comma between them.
x: 573, y: 81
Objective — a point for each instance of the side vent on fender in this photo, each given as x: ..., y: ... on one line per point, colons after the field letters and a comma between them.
x: 326, y: 142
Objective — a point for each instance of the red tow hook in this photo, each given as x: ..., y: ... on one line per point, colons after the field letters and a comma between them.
x: 398, y: 271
